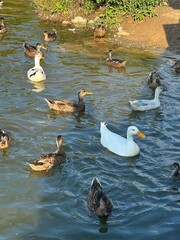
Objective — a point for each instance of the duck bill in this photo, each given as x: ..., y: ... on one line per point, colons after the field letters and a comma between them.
x: 88, y: 92
x: 140, y: 134
x: 44, y: 47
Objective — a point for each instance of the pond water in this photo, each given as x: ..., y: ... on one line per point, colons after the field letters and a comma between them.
x: 53, y: 205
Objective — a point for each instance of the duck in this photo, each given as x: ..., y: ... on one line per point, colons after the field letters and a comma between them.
x: 99, y: 32
x: 3, y: 28
x: 114, y: 62
x: 145, y: 105
x: 4, y: 139
x: 69, y: 106
x: 31, y: 50
x: 36, y: 74
x: 51, y: 36
x: 177, y: 66
x: 154, y: 80
x: 98, y: 201
x: 46, y: 161
x: 125, y: 147
x: 176, y: 173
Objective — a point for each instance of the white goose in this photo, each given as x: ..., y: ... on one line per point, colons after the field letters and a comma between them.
x: 144, y: 105
x: 36, y: 74
x: 125, y: 147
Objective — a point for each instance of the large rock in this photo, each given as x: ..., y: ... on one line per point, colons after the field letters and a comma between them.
x: 79, y: 21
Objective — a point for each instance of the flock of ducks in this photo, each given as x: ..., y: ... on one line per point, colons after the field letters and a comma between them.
x: 98, y: 201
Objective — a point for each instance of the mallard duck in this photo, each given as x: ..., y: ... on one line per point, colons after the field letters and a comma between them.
x: 114, y: 62
x: 36, y: 73
x: 176, y: 167
x: 144, y: 105
x: 99, y: 32
x: 4, y: 139
x: 51, y: 36
x: 177, y: 66
x: 98, y: 201
x: 31, y: 50
x: 3, y: 28
x: 69, y: 106
x: 47, y: 161
x: 154, y: 80
x: 120, y: 145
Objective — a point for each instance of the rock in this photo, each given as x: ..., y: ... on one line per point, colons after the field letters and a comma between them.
x: 79, y: 21
x: 91, y: 22
x: 65, y: 22
x: 121, y: 32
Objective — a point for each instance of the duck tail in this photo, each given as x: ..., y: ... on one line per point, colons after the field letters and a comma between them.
x: 95, y: 182
x: 48, y: 101
x: 103, y: 124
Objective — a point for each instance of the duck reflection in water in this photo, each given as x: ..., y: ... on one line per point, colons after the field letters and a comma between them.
x: 38, y: 86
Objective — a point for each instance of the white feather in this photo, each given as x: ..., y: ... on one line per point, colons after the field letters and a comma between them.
x: 120, y: 145
x: 36, y: 74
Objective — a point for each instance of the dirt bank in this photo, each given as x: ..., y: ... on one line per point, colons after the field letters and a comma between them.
x: 162, y: 31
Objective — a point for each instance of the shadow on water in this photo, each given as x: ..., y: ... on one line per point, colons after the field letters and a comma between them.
x: 173, y: 30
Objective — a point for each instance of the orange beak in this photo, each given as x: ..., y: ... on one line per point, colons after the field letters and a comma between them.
x: 141, y: 135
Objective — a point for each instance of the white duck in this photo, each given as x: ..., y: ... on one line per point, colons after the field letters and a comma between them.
x: 125, y: 147
x: 36, y: 74
x: 144, y: 105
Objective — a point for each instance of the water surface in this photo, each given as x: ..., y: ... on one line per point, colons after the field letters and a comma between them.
x: 53, y: 205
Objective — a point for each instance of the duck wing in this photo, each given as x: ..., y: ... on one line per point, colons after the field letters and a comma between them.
x: 43, y: 159
x: 110, y: 139
x: 28, y: 47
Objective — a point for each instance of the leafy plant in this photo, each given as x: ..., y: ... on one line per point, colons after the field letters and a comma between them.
x: 138, y: 9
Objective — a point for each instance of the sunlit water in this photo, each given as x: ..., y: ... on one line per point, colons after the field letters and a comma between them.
x: 53, y: 205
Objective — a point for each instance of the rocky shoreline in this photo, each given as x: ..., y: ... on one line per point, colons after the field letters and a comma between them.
x: 162, y: 31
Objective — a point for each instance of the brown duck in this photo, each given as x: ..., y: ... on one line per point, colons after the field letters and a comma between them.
x: 98, y: 201
x: 177, y: 66
x: 31, y: 50
x: 154, y: 80
x: 114, y: 62
x: 4, y: 139
x: 47, y: 161
x: 69, y: 106
x: 51, y: 36
x: 3, y: 28
x: 99, y: 32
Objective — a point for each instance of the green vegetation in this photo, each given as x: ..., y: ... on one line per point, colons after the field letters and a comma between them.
x: 53, y: 6
x: 138, y: 9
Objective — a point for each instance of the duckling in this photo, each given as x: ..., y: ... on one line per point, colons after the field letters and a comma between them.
x: 69, y: 106
x: 176, y: 168
x: 3, y: 28
x: 31, y: 50
x: 154, y: 80
x: 114, y: 62
x: 99, y: 32
x: 144, y: 105
x: 177, y: 67
x: 47, y: 161
x: 51, y: 36
x: 98, y: 201
x: 36, y: 73
x: 4, y: 139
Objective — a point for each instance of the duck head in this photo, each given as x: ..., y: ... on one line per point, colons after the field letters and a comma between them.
x: 83, y: 92
x: 132, y: 130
